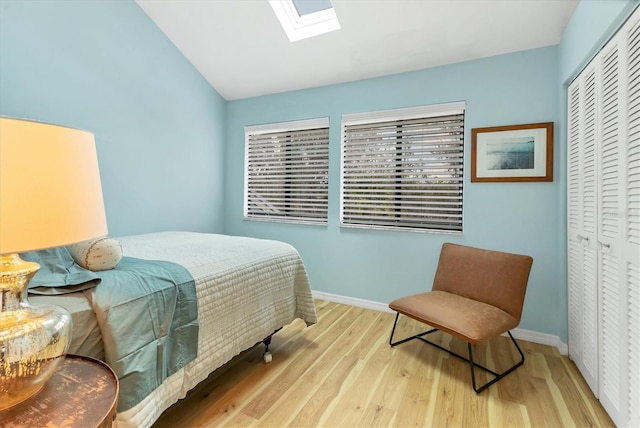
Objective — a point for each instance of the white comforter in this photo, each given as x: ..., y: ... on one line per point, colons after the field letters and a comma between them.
x: 247, y: 288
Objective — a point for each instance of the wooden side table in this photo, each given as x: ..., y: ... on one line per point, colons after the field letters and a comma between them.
x: 82, y: 393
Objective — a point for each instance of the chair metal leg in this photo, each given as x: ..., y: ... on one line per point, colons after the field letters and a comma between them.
x: 417, y: 336
x: 470, y: 360
x: 498, y: 376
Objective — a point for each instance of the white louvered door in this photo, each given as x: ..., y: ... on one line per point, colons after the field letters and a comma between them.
x: 582, y: 281
x: 630, y: 225
x: 611, y: 294
x: 604, y: 224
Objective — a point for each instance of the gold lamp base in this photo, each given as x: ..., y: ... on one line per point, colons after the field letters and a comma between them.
x: 33, y: 339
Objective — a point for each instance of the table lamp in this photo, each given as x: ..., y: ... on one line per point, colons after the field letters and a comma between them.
x: 50, y: 195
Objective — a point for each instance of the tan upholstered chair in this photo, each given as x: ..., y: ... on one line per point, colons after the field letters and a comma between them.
x: 477, y: 295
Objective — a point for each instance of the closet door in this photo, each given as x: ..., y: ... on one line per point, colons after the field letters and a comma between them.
x: 619, y: 225
x: 630, y: 242
x: 610, y: 155
x: 603, y: 201
x: 582, y: 273
x: 574, y: 224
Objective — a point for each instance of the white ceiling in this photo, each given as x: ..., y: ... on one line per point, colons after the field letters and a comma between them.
x: 241, y: 49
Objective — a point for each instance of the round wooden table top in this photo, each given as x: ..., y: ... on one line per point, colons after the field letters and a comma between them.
x: 82, y: 393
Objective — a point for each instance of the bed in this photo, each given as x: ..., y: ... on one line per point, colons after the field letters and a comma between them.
x: 246, y: 290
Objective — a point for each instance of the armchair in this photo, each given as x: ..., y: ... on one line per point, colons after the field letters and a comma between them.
x: 477, y: 295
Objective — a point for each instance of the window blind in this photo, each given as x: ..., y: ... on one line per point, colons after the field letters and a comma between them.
x: 287, y: 171
x: 404, y: 170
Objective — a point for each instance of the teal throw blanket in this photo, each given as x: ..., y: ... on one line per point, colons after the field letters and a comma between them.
x: 148, y: 314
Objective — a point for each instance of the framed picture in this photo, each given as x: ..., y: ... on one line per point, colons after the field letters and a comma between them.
x: 512, y: 153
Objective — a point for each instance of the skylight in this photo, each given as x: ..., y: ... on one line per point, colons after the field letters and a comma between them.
x: 305, y: 7
x: 302, y: 19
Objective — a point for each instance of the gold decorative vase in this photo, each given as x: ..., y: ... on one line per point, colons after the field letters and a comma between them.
x: 33, y: 339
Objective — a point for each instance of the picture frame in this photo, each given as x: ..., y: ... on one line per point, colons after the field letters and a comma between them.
x: 512, y: 153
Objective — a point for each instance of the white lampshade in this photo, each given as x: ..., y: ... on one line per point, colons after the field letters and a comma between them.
x: 50, y: 191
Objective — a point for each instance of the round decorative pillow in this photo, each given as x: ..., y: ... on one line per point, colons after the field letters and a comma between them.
x: 97, y: 254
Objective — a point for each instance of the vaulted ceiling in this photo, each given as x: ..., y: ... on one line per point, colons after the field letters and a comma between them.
x: 241, y: 49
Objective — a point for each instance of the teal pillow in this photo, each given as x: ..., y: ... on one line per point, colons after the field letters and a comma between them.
x: 58, y: 273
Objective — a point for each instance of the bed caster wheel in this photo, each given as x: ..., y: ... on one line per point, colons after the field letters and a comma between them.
x: 267, y: 357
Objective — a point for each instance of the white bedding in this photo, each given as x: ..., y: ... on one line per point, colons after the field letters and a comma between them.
x: 247, y: 288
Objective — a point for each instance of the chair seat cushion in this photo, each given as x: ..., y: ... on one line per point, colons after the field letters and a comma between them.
x: 467, y: 319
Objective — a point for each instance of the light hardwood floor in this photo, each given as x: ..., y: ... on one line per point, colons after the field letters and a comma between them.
x: 342, y: 372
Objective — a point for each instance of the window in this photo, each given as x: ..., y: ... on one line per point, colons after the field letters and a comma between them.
x: 287, y: 171
x: 403, y: 169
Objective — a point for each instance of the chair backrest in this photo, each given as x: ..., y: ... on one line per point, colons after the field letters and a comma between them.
x: 492, y: 277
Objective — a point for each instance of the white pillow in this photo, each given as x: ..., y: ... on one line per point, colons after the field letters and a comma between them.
x: 97, y: 254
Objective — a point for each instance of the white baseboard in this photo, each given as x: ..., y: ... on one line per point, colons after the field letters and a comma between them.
x: 518, y: 333
x: 352, y: 301
x: 541, y: 338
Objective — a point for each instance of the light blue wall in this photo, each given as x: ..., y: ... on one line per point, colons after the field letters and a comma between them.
x: 104, y: 66
x: 382, y: 265
x: 160, y: 131
x: 591, y: 25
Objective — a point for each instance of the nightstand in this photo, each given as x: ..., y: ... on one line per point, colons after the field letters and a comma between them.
x: 82, y: 393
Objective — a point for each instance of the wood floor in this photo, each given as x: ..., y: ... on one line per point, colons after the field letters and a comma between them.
x: 342, y: 372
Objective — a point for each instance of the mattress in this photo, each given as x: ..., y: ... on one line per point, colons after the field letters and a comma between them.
x: 87, y: 339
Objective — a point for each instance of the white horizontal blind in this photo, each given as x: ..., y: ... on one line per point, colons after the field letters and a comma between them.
x: 403, y: 169
x: 287, y: 171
